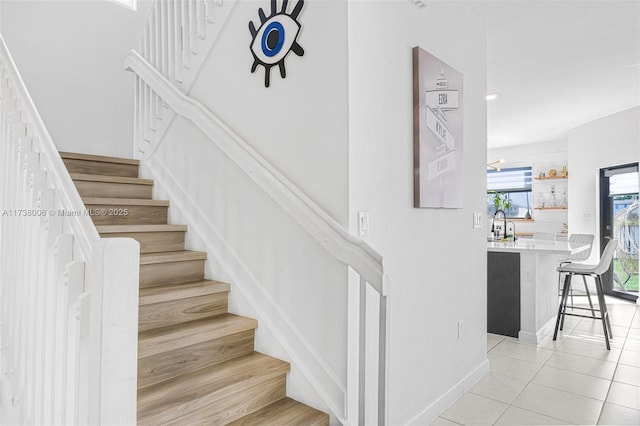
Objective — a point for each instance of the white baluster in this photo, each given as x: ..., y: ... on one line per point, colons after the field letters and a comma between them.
x: 75, y: 283
x: 164, y: 38
x: 84, y: 354
x: 156, y: 36
x: 64, y: 245
x: 171, y: 37
x: 209, y: 10
x: 186, y: 38
x: 39, y: 251
x: 201, y: 19
x: 177, y: 40
x: 193, y: 27
x: 53, y: 227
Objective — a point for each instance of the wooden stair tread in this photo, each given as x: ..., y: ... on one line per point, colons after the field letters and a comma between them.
x: 158, y: 340
x: 122, y: 229
x: 100, y: 158
x: 285, y: 412
x: 171, y: 256
x: 175, y: 392
x: 124, y: 202
x: 110, y: 179
x: 169, y: 292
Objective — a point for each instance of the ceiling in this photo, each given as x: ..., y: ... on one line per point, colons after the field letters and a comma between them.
x: 558, y: 64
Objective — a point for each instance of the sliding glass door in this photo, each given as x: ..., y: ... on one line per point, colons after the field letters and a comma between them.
x: 619, y: 219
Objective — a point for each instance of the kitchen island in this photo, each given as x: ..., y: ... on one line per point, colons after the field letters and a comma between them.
x: 522, y: 286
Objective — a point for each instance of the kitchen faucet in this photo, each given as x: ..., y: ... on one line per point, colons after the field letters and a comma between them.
x: 493, y: 223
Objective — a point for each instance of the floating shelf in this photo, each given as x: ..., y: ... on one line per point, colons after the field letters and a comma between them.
x: 551, y: 177
x: 551, y: 208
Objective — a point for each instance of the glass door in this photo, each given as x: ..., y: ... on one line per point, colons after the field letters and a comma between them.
x: 619, y: 219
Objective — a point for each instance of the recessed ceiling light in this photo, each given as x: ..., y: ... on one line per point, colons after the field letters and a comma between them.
x: 492, y: 96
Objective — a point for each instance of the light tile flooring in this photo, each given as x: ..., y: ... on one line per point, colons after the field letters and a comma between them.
x: 573, y: 380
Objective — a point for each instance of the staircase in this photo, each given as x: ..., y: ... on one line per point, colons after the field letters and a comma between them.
x: 196, y: 362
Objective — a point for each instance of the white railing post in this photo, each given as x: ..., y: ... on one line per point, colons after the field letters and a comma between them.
x: 114, y: 330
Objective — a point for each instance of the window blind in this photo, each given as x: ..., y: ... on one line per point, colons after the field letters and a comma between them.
x: 517, y: 179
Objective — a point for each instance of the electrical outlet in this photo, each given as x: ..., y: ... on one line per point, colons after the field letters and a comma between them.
x: 460, y: 328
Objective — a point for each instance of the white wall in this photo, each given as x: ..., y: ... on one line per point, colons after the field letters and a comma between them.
x: 609, y: 141
x: 541, y: 156
x: 70, y: 55
x: 299, y: 123
x: 435, y: 260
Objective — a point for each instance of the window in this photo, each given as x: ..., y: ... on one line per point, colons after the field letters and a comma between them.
x: 515, y: 185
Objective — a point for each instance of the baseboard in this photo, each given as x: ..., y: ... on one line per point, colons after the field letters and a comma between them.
x: 302, y: 354
x: 528, y: 337
x: 434, y: 409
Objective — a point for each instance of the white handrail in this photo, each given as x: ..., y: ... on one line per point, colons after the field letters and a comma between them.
x: 83, y: 227
x: 338, y: 242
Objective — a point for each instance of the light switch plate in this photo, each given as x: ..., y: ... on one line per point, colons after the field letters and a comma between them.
x: 363, y: 224
x: 477, y: 220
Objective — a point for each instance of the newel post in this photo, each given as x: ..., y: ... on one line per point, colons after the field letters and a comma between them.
x: 114, y: 331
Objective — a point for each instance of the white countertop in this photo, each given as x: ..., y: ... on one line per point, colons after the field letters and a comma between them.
x: 527, y: 245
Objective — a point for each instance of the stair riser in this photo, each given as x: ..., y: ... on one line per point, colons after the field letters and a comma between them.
x: 154, y: 242
x: 180, y: 311
x: 222, y: 407
x: 100, y: 168
x: 171, y: 273
x: 156, y: 368
x: 113, y: 190
x: 135, y: 215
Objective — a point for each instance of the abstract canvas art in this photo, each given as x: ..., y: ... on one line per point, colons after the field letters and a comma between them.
x: 437, y: 132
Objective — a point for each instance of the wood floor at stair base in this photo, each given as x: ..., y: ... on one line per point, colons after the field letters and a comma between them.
x: 223, y: 407
x: 170, y: 273
x: 157, y: 368
x: 113, y: 190
x: 100, y: 168
x: 180, y: 311
x: 285, y: 412
x: 153, y: 242
x: 115, y: 214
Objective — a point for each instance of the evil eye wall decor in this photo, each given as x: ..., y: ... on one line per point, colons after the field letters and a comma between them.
x: 275, y: 38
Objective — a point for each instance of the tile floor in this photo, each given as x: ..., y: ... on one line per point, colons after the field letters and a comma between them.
x: 573, y: 380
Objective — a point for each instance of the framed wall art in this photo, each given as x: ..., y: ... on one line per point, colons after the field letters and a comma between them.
x: 437, y: 132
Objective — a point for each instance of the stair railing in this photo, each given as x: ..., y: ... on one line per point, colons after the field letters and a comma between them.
x: 340, y: 244
x: 68, y: 299
x: 176, y: 38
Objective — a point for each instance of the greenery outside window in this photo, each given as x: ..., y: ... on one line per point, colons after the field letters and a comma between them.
x: 510, y: 190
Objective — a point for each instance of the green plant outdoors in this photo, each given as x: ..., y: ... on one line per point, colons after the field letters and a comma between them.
x: 632, y: 284
x: 501, y: 201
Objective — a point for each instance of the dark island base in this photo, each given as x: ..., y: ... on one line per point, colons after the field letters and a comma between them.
x: 503, y: 293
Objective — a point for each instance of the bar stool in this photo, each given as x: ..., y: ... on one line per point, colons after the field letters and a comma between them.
x: 582, y: 239
x: 596, y: 272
